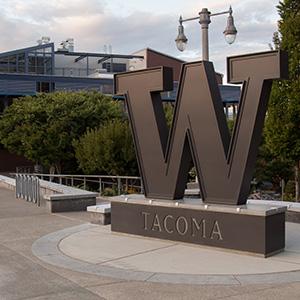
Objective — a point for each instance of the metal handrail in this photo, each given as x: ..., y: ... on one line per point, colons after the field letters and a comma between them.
x: 122, y: 183
x: 87, y: 176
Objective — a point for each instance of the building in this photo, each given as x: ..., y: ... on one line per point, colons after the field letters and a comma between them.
x: 153, y: 58
x: 41, y: 68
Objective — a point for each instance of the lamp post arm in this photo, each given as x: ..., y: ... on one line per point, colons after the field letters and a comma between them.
x: 190, y: 19
x: 211, y: 15
x: 221, y: 13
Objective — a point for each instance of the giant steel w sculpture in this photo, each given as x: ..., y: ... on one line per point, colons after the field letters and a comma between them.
x: 199, y: 135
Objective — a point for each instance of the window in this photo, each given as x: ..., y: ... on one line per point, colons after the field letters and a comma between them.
x: 12, y: 64
x: 37, y: 61
x: 4, y: 64
x: 114, y: 67
x: 45, y: 87
x: 21, y: 63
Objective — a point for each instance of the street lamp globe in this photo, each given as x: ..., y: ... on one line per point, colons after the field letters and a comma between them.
x: 181, y: 45
x: 181, y: 39
x: 230, y: 31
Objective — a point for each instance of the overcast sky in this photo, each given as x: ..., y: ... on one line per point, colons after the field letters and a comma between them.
x: 130, y: 25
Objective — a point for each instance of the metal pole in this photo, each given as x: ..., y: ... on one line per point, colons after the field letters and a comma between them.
x: 38, y: 191
x: 282, y: 189
x: 17, y: 186
x: 100, y: 186
x: 142, y: 186
x: 205, y: 51
x: 204, y: 22
x: 119, y: 186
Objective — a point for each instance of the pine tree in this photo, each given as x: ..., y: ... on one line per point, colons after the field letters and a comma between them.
x: 283, y: 120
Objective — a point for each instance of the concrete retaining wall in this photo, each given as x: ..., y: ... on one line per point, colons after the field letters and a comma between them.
x: 58, y: 197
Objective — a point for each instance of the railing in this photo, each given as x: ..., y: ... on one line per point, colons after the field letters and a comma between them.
x: 28, y: 188
x: 99, y: 183
x: 25, y: 169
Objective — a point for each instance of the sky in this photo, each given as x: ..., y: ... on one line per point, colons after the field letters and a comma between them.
x: 131, y: 25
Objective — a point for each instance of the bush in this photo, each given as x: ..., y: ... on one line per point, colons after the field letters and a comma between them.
x: 109, y: 192
x: 107, y: 150
x: 289, y: 191
x: 42, y: 127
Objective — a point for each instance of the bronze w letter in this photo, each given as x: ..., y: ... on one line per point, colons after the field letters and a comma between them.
x: 199, y: 133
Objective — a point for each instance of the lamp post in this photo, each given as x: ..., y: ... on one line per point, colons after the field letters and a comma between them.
x: 204, y: 20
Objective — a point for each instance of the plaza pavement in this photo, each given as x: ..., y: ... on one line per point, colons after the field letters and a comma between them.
x: 25, y: 276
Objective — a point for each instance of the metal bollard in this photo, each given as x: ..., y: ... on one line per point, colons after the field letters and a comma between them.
x: 119, y: 186
x: 17, y: 186
x: 38, y: 191
x: 28, y: 188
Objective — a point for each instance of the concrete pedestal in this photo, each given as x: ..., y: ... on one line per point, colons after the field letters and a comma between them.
x: 100, y: 214
x: 257, y: 229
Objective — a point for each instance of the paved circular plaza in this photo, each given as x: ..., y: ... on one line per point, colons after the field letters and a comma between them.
x: 96, y: 250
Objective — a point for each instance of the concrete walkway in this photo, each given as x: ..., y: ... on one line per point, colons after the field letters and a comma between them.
x: 25, y: 276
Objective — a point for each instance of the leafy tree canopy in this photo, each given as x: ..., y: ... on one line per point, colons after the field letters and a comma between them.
x: 282, y: 130
x: 107, y: 150
x: 42, y: 127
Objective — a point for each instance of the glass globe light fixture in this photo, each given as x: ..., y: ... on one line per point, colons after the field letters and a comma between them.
x: 230, y: 31
x: 181, y: 39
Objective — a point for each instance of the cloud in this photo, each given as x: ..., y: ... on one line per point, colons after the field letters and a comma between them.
x: 95, y: 23
x: 46, y: 11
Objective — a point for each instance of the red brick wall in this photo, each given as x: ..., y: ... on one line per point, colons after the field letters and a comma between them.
x: 156, y: 59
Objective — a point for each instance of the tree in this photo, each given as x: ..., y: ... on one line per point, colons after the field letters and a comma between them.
x: 42, y: 127
x: 108, y: 149
x: 270, y: 168
x: 283, y: 118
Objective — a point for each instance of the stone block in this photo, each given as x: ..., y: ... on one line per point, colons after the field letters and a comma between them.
x: 69, y: 202
x: 100, y: 214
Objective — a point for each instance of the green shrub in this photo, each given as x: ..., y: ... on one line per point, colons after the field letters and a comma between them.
x: 107, y: 150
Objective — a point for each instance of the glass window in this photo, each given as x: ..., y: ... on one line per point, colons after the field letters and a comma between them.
x: 114, y: 67
x: 4, y: 64
x: 31, y: 62
x: 40, y: 62
x: 48, y: 65
x: 12, y: 64
x: 40, y: 67
x: 44, y: 87
x: 21, y: 63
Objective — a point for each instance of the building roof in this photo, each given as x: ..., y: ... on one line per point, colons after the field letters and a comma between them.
x: 27, y: 49
x: 160, y: 53
x: 81, y: 55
